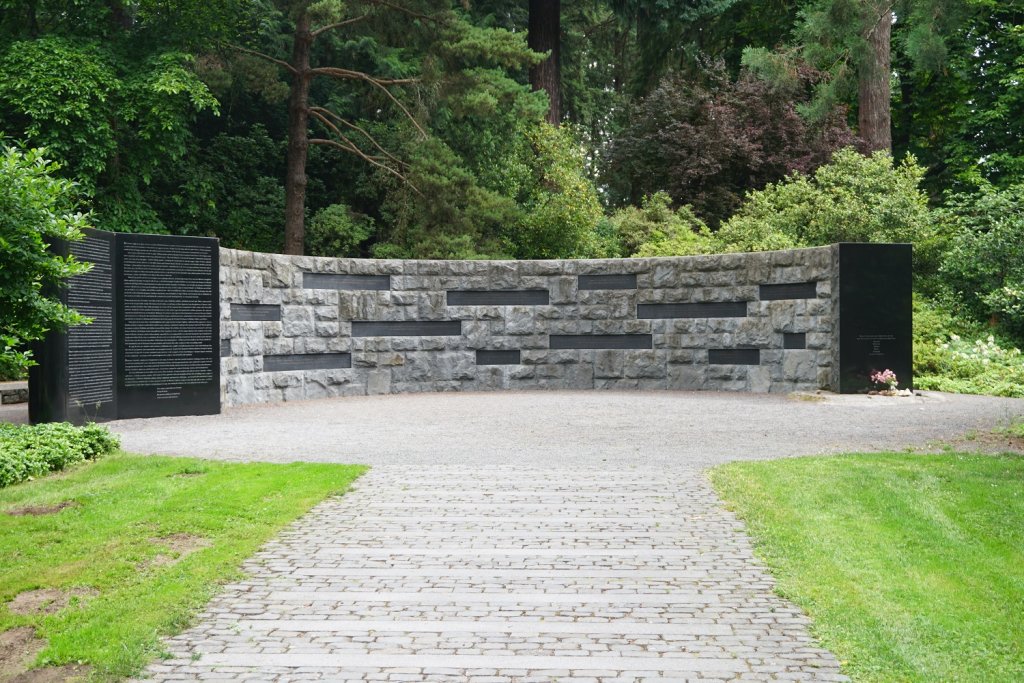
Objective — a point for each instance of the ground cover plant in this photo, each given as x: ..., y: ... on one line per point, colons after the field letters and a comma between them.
x: 103, y: 560
x: 908, y: 564
x: 30, y: 451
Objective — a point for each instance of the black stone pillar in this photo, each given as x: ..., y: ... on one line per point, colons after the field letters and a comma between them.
x: 875, y: 314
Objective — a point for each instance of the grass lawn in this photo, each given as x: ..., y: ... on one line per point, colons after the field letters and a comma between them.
x: 148, y: 540
x: 912, y: 566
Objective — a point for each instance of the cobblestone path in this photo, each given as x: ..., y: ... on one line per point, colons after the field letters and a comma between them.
x: 502, y: 574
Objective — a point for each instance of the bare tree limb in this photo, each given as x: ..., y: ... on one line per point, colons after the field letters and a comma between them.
x: 279, y: 62
x: 352, y: 149
x: 345, y: 122
x: 338, y: 24
x: 380, y: 83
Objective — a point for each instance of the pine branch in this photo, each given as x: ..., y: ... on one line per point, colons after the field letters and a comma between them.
x: 380, y: 83
x: 352, y: 149
x: 345, y: 122
x: 267, y: 57
x: 339, y: 24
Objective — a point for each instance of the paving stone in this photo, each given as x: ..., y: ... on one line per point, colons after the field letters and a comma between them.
x: 490, y: 575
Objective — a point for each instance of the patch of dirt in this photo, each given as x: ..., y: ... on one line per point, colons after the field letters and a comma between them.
x: 36, y: 510
x: 990, y: 442
x: 54, y: 674
x: 179, y: 546
x: 47, y: 600
x: 18, y: 649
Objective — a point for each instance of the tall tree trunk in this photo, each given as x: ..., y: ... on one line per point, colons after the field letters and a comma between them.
x: 874, y: 117
x: 298, y: 140
x: 544, y: 35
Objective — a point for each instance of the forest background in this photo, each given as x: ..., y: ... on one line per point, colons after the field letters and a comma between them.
x: 580, y: 128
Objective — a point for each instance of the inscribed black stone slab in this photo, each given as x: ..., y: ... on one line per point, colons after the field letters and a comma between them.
x: 250, y: 312
x: 607, y: 281
x: 307, y: 361
x: 407, y: 328
x: 716, y: 309
x: 600, y: 341
x: 153, y: 348
x: 168, y: 310
x: 734, y: 356
x: 794, y: 340
x: 76, y: 375
x: 488, y: 357
x: 498, y: 297
x: 875, y: 314
x: 791, y: 290
x: 342, y: 281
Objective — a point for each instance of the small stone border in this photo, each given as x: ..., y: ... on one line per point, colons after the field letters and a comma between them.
x: 13, y: 392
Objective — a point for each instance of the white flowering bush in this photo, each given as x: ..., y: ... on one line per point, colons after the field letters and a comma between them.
x: 973, y: 366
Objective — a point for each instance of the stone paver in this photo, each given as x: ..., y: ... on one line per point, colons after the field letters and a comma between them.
x: 498, y: 573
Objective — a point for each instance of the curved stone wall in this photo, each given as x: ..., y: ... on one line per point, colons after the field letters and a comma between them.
x: 296, y: 327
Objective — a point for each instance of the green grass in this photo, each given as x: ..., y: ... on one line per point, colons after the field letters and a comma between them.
x: 911, y: 566
x: 106, y: 543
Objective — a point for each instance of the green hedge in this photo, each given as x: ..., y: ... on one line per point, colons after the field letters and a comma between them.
x: 32, y: 451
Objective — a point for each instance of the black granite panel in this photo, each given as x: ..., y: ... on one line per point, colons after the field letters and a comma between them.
x: 307, y: 361
x: 607, y: 281
x: 490, y: 357
x: 875, y: 314
x: 249, y: 312
x: 344, y: 281
x: 225, y: 348
x: 75, y: 378
x: 406, y: 328
x: 498, y: 297
x: 601, y: 341
x: 715, y: 309
x: 794, y: 340
x: 790, y: 290
x: 734, y: 356
x: 168, y: 326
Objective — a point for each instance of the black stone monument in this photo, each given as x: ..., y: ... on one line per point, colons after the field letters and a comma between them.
x: 875, y: 314
x: 152, y: 348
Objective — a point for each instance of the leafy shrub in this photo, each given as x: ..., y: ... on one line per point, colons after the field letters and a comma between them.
x: 562, y: 208
x: 656, y: 230
x: 852, y: 199
x: 975, y: 366
x: 32, y: 451
x: 984, y: 266
x: 335, y: 231
x: 36, y: 209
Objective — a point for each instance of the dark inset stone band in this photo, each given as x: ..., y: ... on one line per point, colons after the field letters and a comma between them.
x: 345, y: 281
x: 792, y: 290
x: 307, y: 361
x: 406, y: 328
x: 734, y: 356
x: 494, y: 357
x: 249, y: 312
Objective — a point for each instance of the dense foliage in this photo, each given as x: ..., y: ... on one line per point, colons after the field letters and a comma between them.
x: 411, y: 129
x: 36, y: 210
x: 27, y: 452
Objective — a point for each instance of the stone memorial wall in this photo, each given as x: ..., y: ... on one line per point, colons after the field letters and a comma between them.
x: 303, y: 327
